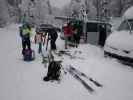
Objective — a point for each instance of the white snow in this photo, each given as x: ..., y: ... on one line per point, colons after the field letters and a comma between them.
x: 121, y: 39
x: 128, y: 13
x: 115, y: 22
x: 23, y: 81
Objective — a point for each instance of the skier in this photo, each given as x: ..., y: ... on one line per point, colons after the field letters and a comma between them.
x: 75, y: 37
x: 25, y: 34
x: 77, y: 33
x: 53, y: 37
x: 67, y: 33
x: 40, y: 40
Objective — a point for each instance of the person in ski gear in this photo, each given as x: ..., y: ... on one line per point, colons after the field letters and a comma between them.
x: 29, y: 54
x: 75, y: 37
x: 25, y: 34
x: 67, y: 33
x: 54, y: 71
x: 52, y: 34
x: 76, y: 33
x: 40, y: 40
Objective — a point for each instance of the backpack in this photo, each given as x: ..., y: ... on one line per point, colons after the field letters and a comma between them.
x: 28, y: 55
x: 54, y: 71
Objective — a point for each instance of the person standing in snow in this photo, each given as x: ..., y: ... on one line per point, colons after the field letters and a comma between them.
x: 53, y: 37
x: 102, y: 36
x: 25, y: 34
x: 40, y: 40
x: 77, y: 33
x: 67, y: 33
x: 75, y: 37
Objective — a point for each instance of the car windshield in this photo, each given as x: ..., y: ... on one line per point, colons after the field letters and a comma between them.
x: 126, y: 25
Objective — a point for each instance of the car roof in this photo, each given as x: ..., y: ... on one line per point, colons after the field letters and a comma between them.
x: 96, y: 21
x: 128, y: 13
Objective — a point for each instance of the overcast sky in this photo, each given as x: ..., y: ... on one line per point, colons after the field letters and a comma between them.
x: 59, y: 3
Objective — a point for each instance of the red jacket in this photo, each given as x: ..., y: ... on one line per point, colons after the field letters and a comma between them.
x: 67, y: 31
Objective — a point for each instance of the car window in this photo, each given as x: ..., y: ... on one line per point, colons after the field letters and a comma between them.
x: 131, y: 23
x: 92, y: 27
x: 126, y: 25
x: 123, y: 26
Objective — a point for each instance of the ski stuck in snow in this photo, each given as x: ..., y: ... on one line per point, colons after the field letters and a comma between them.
x: 77, y: 77
x: 84, y: 75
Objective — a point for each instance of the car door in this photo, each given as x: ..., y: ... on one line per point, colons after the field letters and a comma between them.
x: 92, y: 34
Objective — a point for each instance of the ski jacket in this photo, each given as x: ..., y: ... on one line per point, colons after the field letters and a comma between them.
x: 67, y: 31
x: 39, y: 38
x: 52, y: 34
x: 25, y: 33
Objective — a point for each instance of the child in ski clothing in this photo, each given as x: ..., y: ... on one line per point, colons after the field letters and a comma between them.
x: 75, y: 37
x: 67, y: 33
x: 77, y: 33
x: 25, y: 34
x: 40, y: 40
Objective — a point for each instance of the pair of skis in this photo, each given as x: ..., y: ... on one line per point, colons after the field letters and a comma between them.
x: 78, y: 76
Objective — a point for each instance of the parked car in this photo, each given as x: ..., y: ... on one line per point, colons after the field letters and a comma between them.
x: 119, y: 44
x: 44, y: 27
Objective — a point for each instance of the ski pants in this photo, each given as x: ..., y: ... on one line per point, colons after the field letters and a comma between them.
x: 39, y: 47
x: 26, y: 43
x: 53, y: 45
x: 67, y: 40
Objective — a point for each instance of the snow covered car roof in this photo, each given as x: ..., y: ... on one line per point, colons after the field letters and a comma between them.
x: 122, y: 40
x: 128, y: 13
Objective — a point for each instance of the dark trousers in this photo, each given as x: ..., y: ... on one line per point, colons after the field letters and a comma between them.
x: 76, y: 38
x: 102, y: 39
x: 53, y: 45
x: 26, y: 43
x: 39, y: 47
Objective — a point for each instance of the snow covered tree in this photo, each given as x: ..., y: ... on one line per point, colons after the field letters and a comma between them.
x: 37, y: 11
x: 118, y: 7
x: 4, y: 15
x: 66, y: 11
x: 101, y: 8
x: 90, y: 8
x: 77, y: 8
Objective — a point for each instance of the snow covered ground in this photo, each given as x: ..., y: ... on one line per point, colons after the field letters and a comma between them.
x: 23, y: 81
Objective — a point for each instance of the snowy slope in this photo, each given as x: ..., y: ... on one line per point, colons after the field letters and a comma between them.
x: 23, y: 81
